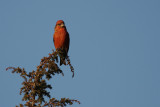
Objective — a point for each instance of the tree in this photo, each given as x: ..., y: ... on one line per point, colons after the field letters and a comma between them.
x: 34, y: 87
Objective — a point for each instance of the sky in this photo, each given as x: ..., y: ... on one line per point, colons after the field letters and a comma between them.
x: 114, y: 48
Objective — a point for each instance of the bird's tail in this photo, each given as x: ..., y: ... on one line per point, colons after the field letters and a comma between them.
x: 62, y: 61
x: 62, y: 54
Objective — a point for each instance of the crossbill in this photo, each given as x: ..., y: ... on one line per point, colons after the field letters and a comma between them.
x: 61, y: 40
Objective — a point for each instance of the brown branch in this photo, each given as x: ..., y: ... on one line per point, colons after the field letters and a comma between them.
x: 34, y: 86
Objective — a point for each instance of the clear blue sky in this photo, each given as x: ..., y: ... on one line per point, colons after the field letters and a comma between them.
x: 115, y: 49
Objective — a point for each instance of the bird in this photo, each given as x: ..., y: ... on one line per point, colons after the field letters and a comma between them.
x: 61, y: 40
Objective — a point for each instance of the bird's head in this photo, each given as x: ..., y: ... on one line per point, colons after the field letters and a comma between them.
x: 60, y: 24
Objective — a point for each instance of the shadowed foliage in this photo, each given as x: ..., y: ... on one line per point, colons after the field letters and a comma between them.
x: 34, y: 87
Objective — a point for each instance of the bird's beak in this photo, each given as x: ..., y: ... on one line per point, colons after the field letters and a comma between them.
x: 62, y: 25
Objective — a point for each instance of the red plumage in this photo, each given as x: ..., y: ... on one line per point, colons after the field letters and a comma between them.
x: 61, y: 39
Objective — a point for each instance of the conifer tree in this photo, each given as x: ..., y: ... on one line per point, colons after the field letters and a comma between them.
x: 35, y: 87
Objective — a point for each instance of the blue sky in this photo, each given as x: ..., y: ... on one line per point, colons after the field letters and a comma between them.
x: 114, y: 49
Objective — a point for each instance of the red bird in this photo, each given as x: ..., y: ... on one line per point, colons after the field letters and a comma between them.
x: 61, y: 40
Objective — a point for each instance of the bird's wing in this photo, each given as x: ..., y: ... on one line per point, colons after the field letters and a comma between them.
x: 67, y: 42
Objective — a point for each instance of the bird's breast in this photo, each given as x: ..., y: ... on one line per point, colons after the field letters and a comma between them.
x: 59, y: 38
